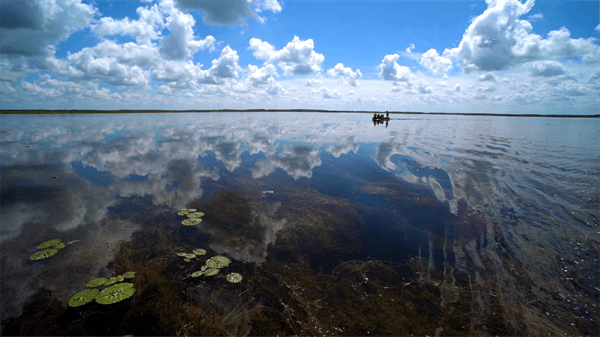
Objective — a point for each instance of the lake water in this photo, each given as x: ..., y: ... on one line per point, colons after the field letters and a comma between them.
x: 448, y: 225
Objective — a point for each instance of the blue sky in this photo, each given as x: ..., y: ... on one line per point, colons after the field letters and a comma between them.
x: 431, y: 56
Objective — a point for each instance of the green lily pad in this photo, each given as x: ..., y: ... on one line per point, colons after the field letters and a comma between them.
x: 234, y: 278
x: 191, y: 210
x: 83, y: 297
x: 199, y: 251
x: 183, y: 212
x: 198, y: 214
x: 72, y: 242
x: 190, y: 256
x: 187, y: 260
x: 197, y: 273
x: 218, y: 262
x: 97, y: 282
x: 48, y: 244
x: 44, y: 254
x: 129, y: 274
x: 60, y: 246
x: 115, y: 293
x: 181, y: 254
x: 195, y: 221
x: 203, y: 268
x: 211, y: 272
x: 186, y: 222
x: 114, y: 280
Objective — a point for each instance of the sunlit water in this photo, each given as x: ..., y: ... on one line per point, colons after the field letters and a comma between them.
x: 495, y: 214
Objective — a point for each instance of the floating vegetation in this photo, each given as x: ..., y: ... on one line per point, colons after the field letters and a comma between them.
x: 211, y: 272
x: 193, y: 216
x: 199, y: 251
x: 115, y: 293
x: 72, y: 242
x: 234, y: 278
x: 129, y: 274
x: 83, y: 297
x: 114, y: 280
x: 218, y: 262
x: 181, y: 254
x: 187, y: 260
x: 197, y: 273
x: 48, y: 244
x: 97, y: 282
x: 44, y: 254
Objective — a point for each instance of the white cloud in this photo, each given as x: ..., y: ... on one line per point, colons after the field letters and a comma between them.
x: 313, y: 82
x: 297, y: 57
x: 180, y: 44
x: 226, y: 66
x: 260, y: 76
x: 435, y: 63
x: 144, y: 30
x: 329, y: 93
x: 410, y: 48
x: 498, y: 39
x: 346, y: 73
x: 276, y: 89
x: 535, y: 17
x: 229, y: 12
x: 547, y: 69
x: 392, y: 71
x: 486, y: 77
x: 35, y: 27
x: 597, y: 28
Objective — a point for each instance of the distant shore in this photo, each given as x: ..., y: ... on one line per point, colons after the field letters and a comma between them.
x: 62, y: 112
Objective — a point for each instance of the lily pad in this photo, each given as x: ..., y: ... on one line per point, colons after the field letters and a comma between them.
x: 234, y: 278
x: 211, y: 272
x: 129, y: 274
x: 218, y: 262
x: 83, y: 297
x: 195, y: 221
x: 186, y: 222
x: 114, y: 280
x: 198, y: 214
x: 197, y: 273
x: 72, y: 242
x: 115, y: 293
x: 183, y: 212
x: 190, y: 256
x: 199, y: 251
x: 191, y: 210
x: 47, y: 244
x: 44, y: 254
x: 187, y: 260
x: 61, y: 245
x: 181, y: 254
x: 97, y: 282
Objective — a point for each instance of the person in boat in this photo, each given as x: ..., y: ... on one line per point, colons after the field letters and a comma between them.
x: 387, y: 114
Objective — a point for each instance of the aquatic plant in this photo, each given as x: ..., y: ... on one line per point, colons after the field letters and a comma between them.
x: 218, y: 262
x: 181, y: 254
x: 183, y: 211
x: 129, y: 274
x: 114, y: 280
x: 197, y: 273
x: 83, y: 297
x: 190, y: 256
x: 72, y: 242
x: 187, y: 260
x: 115, y: 293
x: 48, y: 244
x: 186, y: 222
x: 191, y: 210
x: 211, y: 272
x: 97, y: 282
x: 193, y: 216
x: 44, y: 254
x: 234, y: 278
x: 199, y: 251
x: 60, y: 245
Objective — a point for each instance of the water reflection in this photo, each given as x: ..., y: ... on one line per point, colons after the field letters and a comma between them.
x: 491, y: 212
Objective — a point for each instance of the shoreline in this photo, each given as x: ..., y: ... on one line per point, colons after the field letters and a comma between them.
x: 62, y: 112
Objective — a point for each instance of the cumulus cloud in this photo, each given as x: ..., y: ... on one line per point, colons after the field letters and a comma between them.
x: 392, y: 71
x: 345, y: 73
x: 297, y: 57
x: 486, y: 77
x: 34, y: 28
x: 498, y: 39
x: 147, y: 28
x: 329, y: 93
x: 180, y: 43
x: 229, y: 12
x: 226, y: 66
x: 410, y: 48
x: 435, y: 63
x: 261, y: 76
x: 547, y: 69
x: 535, y: 17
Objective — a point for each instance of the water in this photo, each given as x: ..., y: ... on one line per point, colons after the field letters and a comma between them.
x: 338, y: 226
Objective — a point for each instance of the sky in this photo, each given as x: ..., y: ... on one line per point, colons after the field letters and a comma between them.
x: 508, y: 56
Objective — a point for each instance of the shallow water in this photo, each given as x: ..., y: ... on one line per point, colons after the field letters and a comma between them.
x: 494, y: 215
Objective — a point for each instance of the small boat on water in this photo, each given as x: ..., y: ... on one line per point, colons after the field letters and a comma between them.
x: 381, y: 117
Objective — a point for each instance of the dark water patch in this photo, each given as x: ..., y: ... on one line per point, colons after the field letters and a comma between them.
x: 91, y: 174
x: 136, y: 178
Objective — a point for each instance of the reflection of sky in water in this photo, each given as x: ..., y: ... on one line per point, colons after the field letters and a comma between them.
x: 531, y: 182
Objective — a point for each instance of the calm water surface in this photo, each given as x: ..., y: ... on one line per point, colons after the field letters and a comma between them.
x: 429, y: 225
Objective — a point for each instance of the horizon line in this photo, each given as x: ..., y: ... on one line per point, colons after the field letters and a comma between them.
x: 82, y: 111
